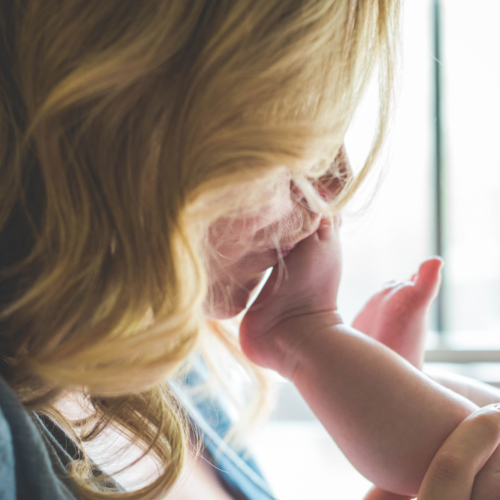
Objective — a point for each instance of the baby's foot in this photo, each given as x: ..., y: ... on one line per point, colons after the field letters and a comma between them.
x: 287, y: 312
x: 397, y: 316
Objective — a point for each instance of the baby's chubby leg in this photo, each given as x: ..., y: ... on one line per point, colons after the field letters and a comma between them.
x: 397, y: 316
x: 387, y: 417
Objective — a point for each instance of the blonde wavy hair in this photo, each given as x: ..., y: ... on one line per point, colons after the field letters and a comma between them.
x: 126, y: 129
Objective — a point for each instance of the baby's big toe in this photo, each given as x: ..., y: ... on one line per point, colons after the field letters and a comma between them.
x: 428, y: 278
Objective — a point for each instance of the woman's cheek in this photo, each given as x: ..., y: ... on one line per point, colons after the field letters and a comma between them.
x: 225, y: 301
x: 230, y: 295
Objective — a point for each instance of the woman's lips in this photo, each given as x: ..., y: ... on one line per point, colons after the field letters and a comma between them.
x: 282, y: 252
x: 290, y: 245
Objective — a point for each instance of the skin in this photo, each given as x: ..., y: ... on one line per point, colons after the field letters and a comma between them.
x: 297, y: 331
x: 346, y: 377
x: 466, y: 465
x: 246, y: 248
x: 397, y: 316
x: 243, y: 249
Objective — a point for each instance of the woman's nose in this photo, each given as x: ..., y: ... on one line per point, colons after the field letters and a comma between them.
x: 331, y: 184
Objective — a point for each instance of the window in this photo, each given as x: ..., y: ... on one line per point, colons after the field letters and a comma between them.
x: 400, y: 228
x: 441, y: 192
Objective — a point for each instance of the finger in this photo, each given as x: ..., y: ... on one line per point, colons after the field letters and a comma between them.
x: 378, y: 494
x: 487, y: 481
x: 453, y: 469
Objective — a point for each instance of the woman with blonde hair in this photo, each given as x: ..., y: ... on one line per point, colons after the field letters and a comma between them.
x: 156, y: 158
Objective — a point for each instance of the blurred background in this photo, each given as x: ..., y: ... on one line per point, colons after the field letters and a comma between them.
x: 439, y: 193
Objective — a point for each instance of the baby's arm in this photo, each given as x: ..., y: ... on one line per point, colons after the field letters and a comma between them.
x: 387, y: 417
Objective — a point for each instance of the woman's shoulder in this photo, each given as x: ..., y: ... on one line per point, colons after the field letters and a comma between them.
x: 26, y: 467
x: 7, y: 463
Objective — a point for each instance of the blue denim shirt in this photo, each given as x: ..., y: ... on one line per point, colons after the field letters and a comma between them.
x: 238, y: 471
x: 35, y: 451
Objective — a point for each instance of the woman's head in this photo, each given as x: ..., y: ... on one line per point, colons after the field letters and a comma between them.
x: 128, y: 131
x: 129, y: 128
x: 240, y: 249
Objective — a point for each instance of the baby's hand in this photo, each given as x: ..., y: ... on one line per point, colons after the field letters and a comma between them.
x: 397, y: 316
x: 296, y: 303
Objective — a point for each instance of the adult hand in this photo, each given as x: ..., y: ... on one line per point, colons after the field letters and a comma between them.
x: 378, y: 494
x: 462, y: 468
x: 466, y: 467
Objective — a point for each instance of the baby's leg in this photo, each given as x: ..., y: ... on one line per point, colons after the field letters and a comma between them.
x: 397, y: 316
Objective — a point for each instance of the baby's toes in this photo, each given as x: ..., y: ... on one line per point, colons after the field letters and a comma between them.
x: 388, y: 285
x: 403, y: 302
x: 428, y: 279
x: 388, y: 288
